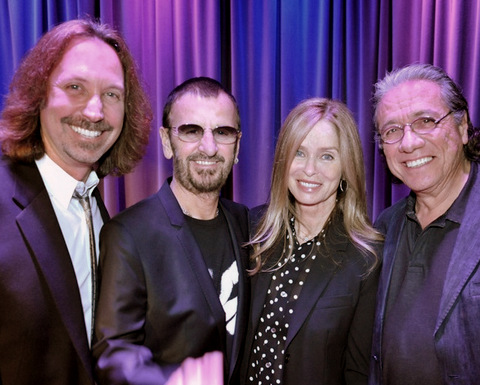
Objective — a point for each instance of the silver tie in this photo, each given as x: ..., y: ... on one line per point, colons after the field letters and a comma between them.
x: 85, y: 202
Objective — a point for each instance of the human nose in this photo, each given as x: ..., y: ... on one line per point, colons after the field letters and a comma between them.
x: 310, y: 166
x: 208, y: 145
x: 410, y: 140
x: 94, y: 109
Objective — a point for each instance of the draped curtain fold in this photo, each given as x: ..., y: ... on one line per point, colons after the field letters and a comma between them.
x: 272, y: 54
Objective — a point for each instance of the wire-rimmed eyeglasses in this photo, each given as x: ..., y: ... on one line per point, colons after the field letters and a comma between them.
x: 423, y: 125
x: 192, y: 133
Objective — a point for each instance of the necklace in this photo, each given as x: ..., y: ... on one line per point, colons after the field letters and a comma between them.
x: 308, y: 237
x: 190, y: 215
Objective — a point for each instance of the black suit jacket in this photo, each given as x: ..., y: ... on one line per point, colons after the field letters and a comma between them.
x: 42, y: 330
x: 329, y: 336
x: 158, y: 304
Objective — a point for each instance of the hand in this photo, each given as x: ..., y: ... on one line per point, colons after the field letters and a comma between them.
x: 205, y: 370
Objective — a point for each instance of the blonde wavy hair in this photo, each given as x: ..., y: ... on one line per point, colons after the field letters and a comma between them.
x: 351, y: 202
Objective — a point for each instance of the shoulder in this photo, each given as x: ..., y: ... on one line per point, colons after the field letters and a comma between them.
x: 140, y: 220
x: 344, y: 250
x: 255, y: 214
x: 390, y: 214
x: 22, y: 179
x: 154, y: 205
x: 233, y: 207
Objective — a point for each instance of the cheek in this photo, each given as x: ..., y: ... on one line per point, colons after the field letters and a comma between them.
x: 115, y: 115
x: 389, y: 154
x: 332, y: 171
x: 291, y: 180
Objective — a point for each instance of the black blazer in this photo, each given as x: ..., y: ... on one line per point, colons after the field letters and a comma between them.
x: 329, y: 337
x: 158, y: 304
x: 42, y: 330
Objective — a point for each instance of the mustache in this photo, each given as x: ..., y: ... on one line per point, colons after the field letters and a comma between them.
x: 195, y: 157
x: 86, y: 124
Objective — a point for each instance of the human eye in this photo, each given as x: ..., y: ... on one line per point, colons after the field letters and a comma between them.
x: 423, y: 123
x: 327, y: 157
x: 190, y: 132
x: 73, y: 88
x: 300, y: 154
x: 113, y: 96
x: 221, y: 131
x: 391, y: 132
x: 191, y: 129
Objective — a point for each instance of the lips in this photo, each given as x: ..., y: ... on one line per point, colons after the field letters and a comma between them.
x: 205, y: 162
x: 308, y: 184
x: 418, y: 162
x: 86, y: 133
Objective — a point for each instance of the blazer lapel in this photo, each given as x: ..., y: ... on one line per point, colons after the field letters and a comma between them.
x: 260, y: 284
x: 101, y: 205
x: 37, y: 222
x: 241, y: 257
x: 192, y: 252
x: 465, y: 258
x: 316, y: 281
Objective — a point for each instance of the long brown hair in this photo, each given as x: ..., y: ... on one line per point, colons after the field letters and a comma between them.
x: 351, y: 203
x: 20, y: 122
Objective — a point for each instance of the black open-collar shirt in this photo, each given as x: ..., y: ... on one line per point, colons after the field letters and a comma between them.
x: 419, y: 272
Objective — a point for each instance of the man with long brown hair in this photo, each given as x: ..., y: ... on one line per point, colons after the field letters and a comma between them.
x: 76, y: 112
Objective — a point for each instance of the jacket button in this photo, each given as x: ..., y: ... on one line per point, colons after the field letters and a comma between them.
x: 287, y: 357
x: 375, y: 357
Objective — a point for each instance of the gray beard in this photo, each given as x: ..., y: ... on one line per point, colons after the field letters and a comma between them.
x: 207, y: 181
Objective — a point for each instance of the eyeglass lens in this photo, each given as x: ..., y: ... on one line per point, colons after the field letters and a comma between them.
x: 194, y: 133
x: 421, y: 125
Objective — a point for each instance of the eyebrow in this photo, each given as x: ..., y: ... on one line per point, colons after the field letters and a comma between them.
x: 321, y: 149
x: 416, y: 115
x: 80, y: 79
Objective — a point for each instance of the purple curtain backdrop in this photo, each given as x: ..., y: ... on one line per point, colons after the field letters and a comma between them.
x: 272, y: 54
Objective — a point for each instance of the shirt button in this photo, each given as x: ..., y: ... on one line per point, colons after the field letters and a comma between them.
x: 268, y: 364
x: 273, y: 330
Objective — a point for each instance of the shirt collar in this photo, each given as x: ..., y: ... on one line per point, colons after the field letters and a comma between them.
x: 59, y: 184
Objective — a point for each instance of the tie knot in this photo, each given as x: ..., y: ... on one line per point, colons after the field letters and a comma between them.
x: 81, y: 191
x: 81, y: 194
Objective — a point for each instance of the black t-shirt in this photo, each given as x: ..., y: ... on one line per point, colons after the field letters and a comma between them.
x: 215, y: 243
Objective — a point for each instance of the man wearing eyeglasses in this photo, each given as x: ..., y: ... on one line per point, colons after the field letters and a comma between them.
x: 174, y: 290
x: 427, y: 327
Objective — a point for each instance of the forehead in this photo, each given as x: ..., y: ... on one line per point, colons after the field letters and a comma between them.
x: 89, y: 57
x: 193, y: 108
x: 409, y: 99
x: 322, y: 135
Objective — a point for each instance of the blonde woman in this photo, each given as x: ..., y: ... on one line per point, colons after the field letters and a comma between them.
x: 315, y: 256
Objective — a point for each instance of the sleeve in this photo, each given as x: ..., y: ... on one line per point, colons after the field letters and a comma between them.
x: 357, y: 360
x: 121, y: 357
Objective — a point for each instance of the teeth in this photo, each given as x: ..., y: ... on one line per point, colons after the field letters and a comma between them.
x: 204, y: 162
x: 86, y: 133
x: 419, y: 162
x: 310, y: 185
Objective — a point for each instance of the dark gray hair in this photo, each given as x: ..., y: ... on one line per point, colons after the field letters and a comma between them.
x: 451, y: 94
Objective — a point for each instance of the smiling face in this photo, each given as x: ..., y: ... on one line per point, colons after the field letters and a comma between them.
x: 428, y: 163
x: 316, y: 169
x: 201, y: 167
x: 83, y: 115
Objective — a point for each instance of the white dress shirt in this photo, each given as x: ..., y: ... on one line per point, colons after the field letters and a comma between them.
x: 71, y: 218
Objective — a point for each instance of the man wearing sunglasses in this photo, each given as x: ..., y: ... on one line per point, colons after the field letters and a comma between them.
x: 427, y: 327
x: 174, y: 288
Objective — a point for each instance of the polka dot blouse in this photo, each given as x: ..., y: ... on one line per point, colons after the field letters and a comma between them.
x: 268, y: 354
